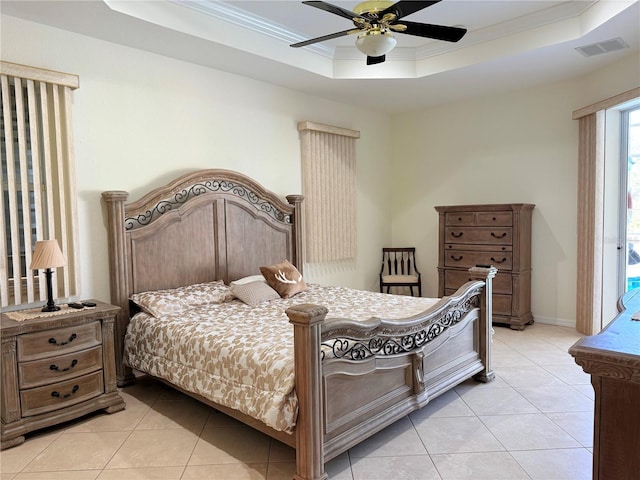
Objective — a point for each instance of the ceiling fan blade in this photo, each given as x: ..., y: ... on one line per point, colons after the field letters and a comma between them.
x: 406, y: 7
x: 374, y: 60
x: 327, y: 7
x: 325, y: 37
x: 439, y: 32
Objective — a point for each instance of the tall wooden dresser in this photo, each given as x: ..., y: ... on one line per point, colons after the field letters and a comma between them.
x: 498, y: 235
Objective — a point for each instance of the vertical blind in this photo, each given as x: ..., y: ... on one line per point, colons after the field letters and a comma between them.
x: 38, y: 200
x: 329, y: 188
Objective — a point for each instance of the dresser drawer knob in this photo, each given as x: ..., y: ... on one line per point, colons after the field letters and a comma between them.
x: 499, y: 261
x: 504, y: 234
x: 58, y: 369
x: 71, y: 339
x: 66, y: 395
x: 457, y: 259
x: 457, y: 235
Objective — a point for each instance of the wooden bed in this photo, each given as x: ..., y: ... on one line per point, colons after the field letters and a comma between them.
x: 219, y: 224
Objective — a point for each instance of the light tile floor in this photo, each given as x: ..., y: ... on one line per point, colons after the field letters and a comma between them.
x: 533, y: 422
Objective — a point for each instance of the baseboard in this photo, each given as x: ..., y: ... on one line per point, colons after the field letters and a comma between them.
x: 560, y: 322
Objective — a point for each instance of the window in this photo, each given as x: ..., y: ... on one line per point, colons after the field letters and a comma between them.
x: 329, y: 189
x: 630, y: 219
x: 38, y: 180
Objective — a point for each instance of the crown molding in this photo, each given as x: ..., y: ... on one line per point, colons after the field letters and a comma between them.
x: 237, y: 16
x: 242, y: 18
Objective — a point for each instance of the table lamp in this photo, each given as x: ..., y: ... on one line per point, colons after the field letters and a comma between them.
x: 47, y: 255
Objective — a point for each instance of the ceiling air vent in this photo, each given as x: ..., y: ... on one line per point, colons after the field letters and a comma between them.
x: 602, y: 47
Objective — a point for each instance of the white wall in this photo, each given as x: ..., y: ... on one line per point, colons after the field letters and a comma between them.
x: 517, y: 147
x: 141, y: 119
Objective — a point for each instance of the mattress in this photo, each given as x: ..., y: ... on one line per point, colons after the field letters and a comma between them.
x: 241, y: 356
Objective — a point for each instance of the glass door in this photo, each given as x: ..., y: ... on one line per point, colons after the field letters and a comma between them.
x: 630, y: 149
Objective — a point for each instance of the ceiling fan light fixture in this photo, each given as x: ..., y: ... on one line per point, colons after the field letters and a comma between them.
x: 375, y: 43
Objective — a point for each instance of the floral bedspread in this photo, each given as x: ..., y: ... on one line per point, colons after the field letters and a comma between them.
x: 241, y: 356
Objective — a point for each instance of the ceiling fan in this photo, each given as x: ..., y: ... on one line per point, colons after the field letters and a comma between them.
x: 376, y: 20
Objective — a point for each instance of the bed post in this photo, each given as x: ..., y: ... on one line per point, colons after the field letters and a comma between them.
x: 307, y: 329
x: 298, y: 230
x: 486, y: 323
x: 118, y: 278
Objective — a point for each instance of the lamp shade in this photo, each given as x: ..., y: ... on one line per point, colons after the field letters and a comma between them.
x: 47, y: 254
x: 375, y: 43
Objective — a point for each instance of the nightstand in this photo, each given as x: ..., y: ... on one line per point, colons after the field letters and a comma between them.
x: 57, y: 368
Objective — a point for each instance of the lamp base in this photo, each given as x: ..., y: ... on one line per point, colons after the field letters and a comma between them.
x: 50, y: 308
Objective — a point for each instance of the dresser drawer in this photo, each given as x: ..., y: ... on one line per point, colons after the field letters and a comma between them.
x: 501, y: 303
x: 479, y: 219
x: 470, y: 258
x: 58, y: 368
x: 453, y: 279
x: 33, y: 346
x: 497, y: 219
x: 63, y: 394
x: 479, y: 235
x: 460, y: 218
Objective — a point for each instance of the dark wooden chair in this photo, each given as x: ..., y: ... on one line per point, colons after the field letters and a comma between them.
x: 399, y: 269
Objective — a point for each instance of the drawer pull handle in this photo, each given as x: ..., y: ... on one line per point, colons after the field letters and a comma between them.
x: 58, y: 369
x: 504, y: 234
x: 457, y: 235
x: 457, y: 259
x: 71, y: 339
x: 66, y: 395
x: 499, y: 261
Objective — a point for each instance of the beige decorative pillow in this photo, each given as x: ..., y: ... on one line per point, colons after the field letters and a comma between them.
x: 284, y: 278
x: 175, y: 300
x: 253, y: 293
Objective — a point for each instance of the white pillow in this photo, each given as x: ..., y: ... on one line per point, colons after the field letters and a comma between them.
x: 249, y: 279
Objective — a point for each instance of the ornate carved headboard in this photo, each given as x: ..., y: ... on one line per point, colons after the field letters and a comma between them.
x: 204, y: 226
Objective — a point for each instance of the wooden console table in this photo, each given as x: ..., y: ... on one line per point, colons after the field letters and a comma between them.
x: 612, y: 358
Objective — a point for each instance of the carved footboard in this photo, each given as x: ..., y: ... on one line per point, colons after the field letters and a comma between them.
x: 354, y: 379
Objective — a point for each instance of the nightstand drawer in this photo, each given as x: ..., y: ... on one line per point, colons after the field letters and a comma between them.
x: 59, y: 395
x: 33, y: 346
x: 58, y: 368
